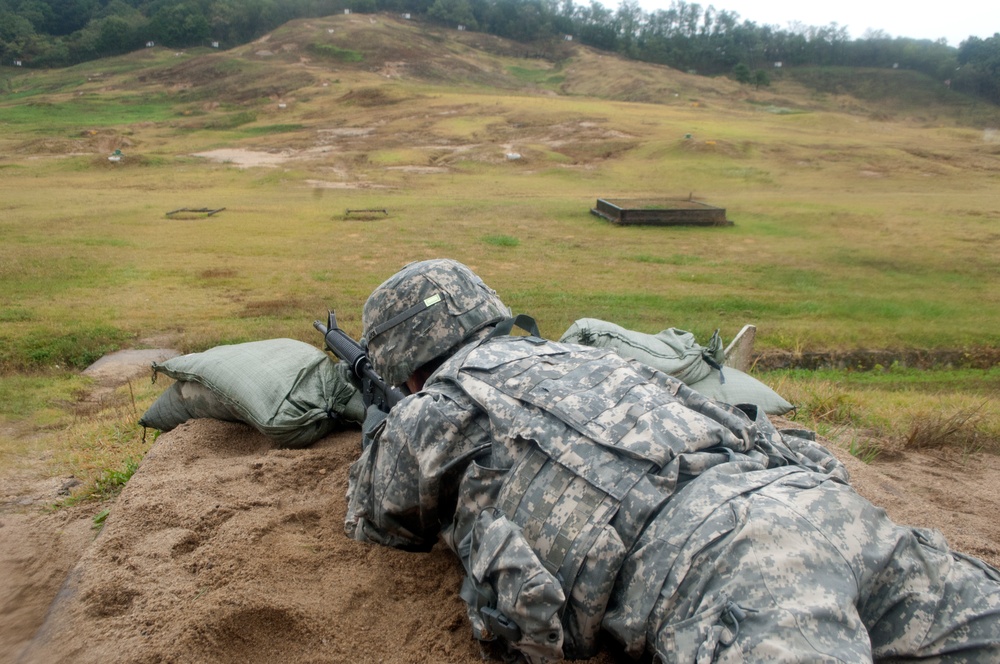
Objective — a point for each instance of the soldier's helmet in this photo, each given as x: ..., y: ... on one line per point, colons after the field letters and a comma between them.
x: 423, y: 312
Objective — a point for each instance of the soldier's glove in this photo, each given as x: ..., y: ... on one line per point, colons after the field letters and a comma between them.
x: 373, y: 425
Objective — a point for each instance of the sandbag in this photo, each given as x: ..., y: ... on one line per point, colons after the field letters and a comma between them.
x: 677, y: 353
x: 741, y: 388
x: 286, y: 389
x: 672, y: 351
x: 183, y: 401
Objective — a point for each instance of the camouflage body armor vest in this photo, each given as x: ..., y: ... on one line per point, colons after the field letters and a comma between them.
x: 599, y: 447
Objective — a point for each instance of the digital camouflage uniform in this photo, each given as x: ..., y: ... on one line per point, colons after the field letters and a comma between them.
x: 584, y: 493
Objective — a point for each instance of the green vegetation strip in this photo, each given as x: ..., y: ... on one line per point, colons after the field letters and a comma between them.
x: 109, y: 111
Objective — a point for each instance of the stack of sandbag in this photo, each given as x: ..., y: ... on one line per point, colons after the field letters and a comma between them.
x: 677, y: 353
x: 288, y: 390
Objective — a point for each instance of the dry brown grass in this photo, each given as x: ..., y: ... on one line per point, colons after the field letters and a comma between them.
x: 961, y: 431
x: 276, y: 308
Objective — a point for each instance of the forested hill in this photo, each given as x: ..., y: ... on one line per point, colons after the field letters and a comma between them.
x: 689, y: 37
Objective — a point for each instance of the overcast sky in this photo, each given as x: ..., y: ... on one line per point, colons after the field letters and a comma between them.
x: 955, y: 20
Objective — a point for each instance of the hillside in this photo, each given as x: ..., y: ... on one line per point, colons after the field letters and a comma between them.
x: 309, y: 57
x: 47, y: 33
x: 353, y: 93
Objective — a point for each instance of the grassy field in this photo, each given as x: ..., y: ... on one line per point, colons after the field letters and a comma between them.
x: 860, y: 223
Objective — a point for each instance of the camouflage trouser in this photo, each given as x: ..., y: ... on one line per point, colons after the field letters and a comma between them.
x: 812, y: 572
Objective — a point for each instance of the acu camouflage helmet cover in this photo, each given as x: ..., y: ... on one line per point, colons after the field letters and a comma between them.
x: 423, y: 312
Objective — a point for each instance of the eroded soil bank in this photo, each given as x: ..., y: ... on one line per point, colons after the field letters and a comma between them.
x: 865, y: 360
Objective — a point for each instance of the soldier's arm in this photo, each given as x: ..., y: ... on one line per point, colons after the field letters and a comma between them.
x: 402, y: 488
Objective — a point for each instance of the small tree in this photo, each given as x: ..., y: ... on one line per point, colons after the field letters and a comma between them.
x: 742, y: 74
x: 453, y: 12
x: 179, y: 25
x: 760, y: 77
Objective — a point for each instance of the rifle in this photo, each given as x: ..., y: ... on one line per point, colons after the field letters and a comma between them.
x: 373, y: 389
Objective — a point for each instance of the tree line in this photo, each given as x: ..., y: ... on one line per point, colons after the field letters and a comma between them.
x: 687, y: 36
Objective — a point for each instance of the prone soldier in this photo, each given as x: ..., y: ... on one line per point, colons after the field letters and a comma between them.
x: 585, y: 495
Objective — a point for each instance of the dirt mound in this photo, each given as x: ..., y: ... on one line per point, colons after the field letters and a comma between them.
x: 222, y: 548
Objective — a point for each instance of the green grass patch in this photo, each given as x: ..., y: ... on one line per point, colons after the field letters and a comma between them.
x: 39, y: 398
x: 266, y: 130
x: 15, y: 315
x: 72, y: 348
x: 105, y: 486
x: 543, y: 77
x: 501, y: 240
x: 49, y: 117
x: 331, y: 52
x: 231, y: 121
x: 673, y: 259
x: 29, y: 274
x: 895, y: 378
x: 112, y: 481
x: 865, y: 451
x: 402, y: 156
x: 103, y: 242
x: 749, y: 174
x: 467, y: 126
x: 103, y: 443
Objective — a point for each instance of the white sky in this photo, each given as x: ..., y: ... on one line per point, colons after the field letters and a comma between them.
x: 955, y: 20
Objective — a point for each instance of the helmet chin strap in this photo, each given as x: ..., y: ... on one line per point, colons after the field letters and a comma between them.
x: 403, y: 316
x: 523, y: 321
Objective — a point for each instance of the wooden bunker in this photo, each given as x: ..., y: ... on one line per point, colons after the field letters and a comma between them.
x: 660, y: 212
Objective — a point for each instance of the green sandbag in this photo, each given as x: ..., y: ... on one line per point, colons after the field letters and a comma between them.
x: 741, y: 388
x: 675, y: 352
x: 286, y: 389
x: 672, y: 351
x: 183, y: 401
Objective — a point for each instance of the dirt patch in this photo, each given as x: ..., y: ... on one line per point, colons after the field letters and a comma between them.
x: 221, y: 77
x: 369, y: 98
x: 426, y: 170
x: 340, y: 132
x: 327, y: 184
x: 957, y: 495
x: 120, y: 367
x: 37, y: 551
x: 275, y: 307
x: 246, y: 158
